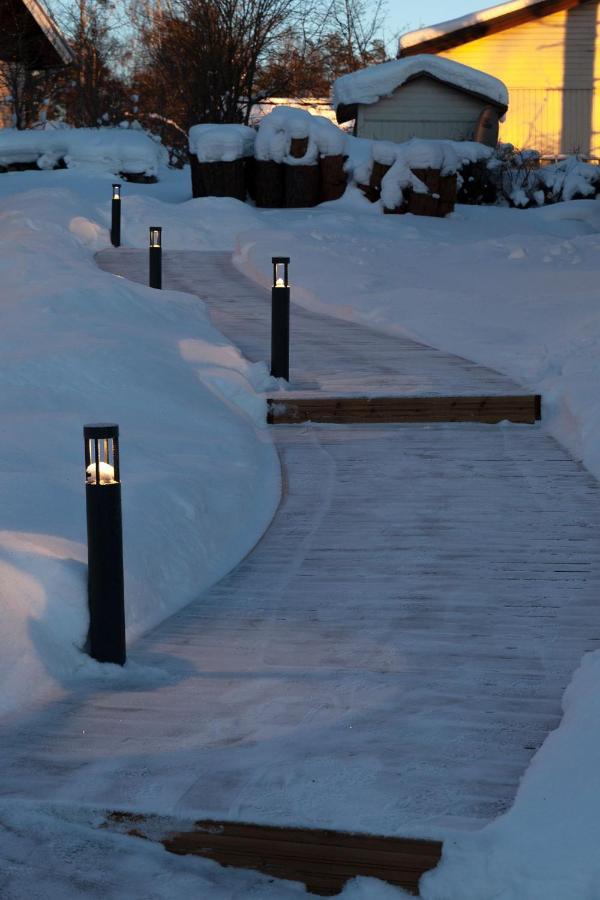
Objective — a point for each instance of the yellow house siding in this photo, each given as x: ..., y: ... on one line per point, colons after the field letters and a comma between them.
x: 549, y: 66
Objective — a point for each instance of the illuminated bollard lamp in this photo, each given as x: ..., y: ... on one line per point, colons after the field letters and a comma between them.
x: 280, y: 319
x: 155, y: 254
x: 105, y: 543
x: 115, y: 224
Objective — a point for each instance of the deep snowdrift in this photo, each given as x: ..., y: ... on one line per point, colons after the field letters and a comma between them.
x: 200, y: 475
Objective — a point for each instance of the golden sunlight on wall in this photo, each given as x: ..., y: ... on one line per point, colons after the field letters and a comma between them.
x: 550, y: 67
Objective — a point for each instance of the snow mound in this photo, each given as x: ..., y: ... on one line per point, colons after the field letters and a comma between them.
x: 277, y: 130
x: 116, y: 150
x: 221, y: 143
x: 369, y: 85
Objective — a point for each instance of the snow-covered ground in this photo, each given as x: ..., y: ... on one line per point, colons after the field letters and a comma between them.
x: 200, y: 476
x: 513, y: 289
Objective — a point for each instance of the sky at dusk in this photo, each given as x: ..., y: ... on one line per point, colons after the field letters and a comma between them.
x: 404, y: 16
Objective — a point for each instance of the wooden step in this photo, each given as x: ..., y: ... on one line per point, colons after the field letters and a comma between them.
x: 324, y: 860
x: 295, y: 409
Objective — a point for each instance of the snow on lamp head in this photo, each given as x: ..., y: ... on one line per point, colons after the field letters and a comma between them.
x: 101, y: 449
x: 280, y: 271
x: 155, y: 236
x: 116, y: 191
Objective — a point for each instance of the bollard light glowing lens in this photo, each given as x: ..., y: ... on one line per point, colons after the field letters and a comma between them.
x: 155, y: 236
x: 101, y: 448
x: 280, y: 271
x: 116, y: 191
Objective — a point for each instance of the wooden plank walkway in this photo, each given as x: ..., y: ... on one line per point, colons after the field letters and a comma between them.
x: 327, y: 355
x: 391, y: 654
x: 387, y: 660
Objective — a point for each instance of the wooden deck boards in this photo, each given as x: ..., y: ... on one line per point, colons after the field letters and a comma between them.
x: 392, y: 653
x: 387, y: 660
x: 326, y: 355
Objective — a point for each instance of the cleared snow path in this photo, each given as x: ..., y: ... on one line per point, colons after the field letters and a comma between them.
x: 388, y: 658
x: 326, y: 354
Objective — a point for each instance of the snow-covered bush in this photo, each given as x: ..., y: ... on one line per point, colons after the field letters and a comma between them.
x: 520, y: 179
x: 125, y: 151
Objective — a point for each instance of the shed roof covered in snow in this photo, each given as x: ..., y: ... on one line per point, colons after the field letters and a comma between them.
x: 475, y: 25
x: 368, y: 86
x: 28, y: 34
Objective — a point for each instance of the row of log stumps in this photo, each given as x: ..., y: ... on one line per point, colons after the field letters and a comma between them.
x: 438, y: 202
x: 272, y: 185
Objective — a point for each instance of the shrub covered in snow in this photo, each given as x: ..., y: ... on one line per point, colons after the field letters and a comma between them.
x: 521, y: 179
x: 118, y: 150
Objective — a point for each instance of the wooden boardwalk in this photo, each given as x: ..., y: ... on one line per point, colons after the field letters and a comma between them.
x: 327, y: 355
x: 388, y: 658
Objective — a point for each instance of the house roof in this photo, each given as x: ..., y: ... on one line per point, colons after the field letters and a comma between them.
x: 28, y: 33
x: 367, y: 86
x: 445, y: 35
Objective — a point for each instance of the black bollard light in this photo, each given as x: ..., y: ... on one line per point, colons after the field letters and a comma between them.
x: 105, y: 543
x: 280, y: 319
x: 115, y: 225
x: 155, y: 257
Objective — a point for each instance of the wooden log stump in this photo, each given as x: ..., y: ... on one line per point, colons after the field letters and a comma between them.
x: 298, y: 147
x: 218, y: 179
x: 377, y: 173
x: 332, y: 177
x: 301, y: 186
x: 438, y: 202
x: 268, y: 184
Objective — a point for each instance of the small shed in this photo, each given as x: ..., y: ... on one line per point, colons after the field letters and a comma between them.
x: 422, y: 96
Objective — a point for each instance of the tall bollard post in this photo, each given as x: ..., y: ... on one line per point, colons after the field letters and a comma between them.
x: 105, y: 543
x: 155, y: 260
x: 115, y: 224
x: 280, y: 319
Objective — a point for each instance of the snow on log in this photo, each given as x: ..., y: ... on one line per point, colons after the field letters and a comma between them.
x: 418, y: 176
x: 300, y: 142
x: 221, y: 143
x: 218, y: 160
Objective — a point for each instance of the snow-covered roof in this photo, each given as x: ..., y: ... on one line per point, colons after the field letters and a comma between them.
x: 367, y: 86
x: 476, y: 24
x: 30, y: 20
